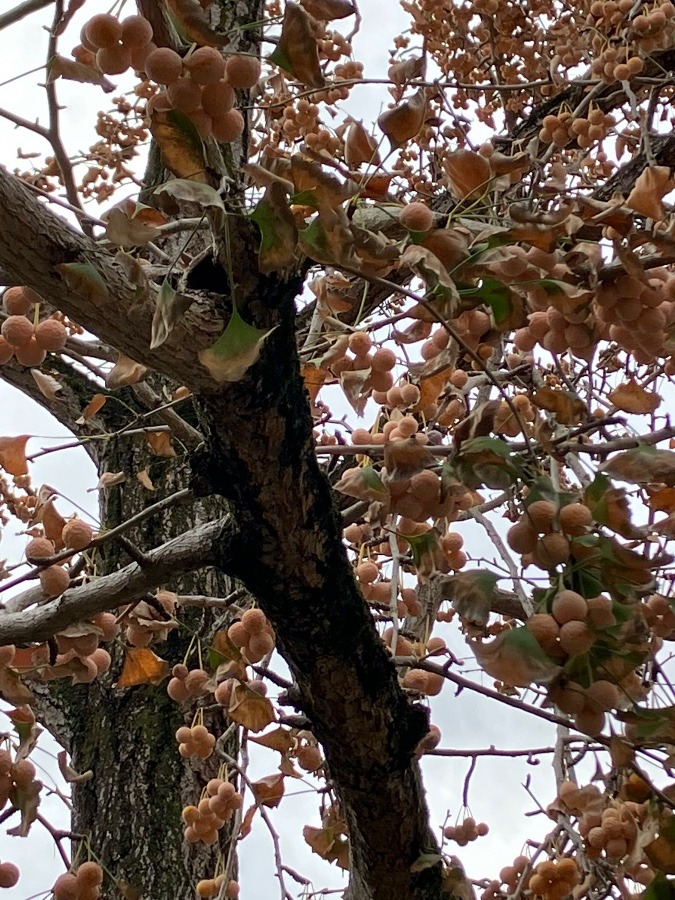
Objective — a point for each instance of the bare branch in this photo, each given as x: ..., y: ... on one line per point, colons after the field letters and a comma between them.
x: 207, y: 545
x: 21, y: 11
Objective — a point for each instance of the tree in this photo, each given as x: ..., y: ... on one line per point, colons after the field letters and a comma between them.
x: 501, y: 313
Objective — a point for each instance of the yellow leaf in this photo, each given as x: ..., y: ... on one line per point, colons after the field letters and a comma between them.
x: 13, y: 454
x: 180, y: 145
x: 142, y: 666
x: 567, y: 407
x: 95, y: 404
x: 631, y: 397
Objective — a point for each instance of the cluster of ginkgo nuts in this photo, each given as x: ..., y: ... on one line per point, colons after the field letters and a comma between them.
x: 253, y: 635
x: 553, y: 879
x: 542, y: 531
x: 85, y: 884
x: 211, y: 887
x: 468, y: 830
x: 195, y: 740
x: 355, y: 353
x: 562, y: 128
x: 20, y: 337
x: 612, y: 830
x: 75, y: 535
x: 215, y: 808
x: 201, y: 85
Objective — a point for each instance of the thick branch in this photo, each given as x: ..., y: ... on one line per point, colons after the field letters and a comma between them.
x: 202, y: 546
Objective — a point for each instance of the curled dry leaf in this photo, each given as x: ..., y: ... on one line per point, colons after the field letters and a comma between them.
x: 83, y: 279
x: 69, y: 774
x: 26, y: 727
x: 144, y: 478
x: 278, y: 230
x: 48, y: 386
x: 406, y: 458
x: 269, y: 790
x: 235, y: 351
x: 468, y: 173
x: 251, y: 710
x: 360, y: 147
x: 631, y: 397
x: 13, y: 454
x: 363, y: 483
x: 407, y: 70
x: 123, y: 373
x: 649, y: 190
x: 404, y: 121
x: 642, y: 465
x: 109, y: 479
x: 515, y: 657
x: 160, y: 443
x: 63, y: 67
x: 297, y: 51
x: 170, y: 307
x: 132, y: 225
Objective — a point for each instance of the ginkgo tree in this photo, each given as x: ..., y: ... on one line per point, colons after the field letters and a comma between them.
x: 497, y: 315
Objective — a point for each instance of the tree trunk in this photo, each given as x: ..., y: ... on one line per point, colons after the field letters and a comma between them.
x: 130, y: 811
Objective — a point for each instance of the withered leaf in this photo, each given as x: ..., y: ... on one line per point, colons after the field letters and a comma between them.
x: 142, y: 666
x: 251, y: 710
x: 181, y: 147
x: 568, y: 408
x: 13, y: 454
x: 63, y: 67
x: 123, y: 373
x: 405, y: 120
x: 631, y: 397
x: 269, y: 790
x: 468, y: 173
x: 297, y: 51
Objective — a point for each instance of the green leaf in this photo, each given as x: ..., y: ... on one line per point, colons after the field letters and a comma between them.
x: 507, y: 307
x: 422, y: 545
x: 179, y: 143
x: 83, y: 279
x: 236, y: 350
x: 471, y: 593
x: 659, y: 888
x: 278, y: 231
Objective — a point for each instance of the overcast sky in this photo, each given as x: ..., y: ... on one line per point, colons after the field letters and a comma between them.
x: 467, y: 721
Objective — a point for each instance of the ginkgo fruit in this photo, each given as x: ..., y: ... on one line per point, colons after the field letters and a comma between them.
x: 164, y: 66
x: 228, y: 126
x: 30, y: 354
x: 242, y: 71
x: 9, y: 874
x: 39, y: 548
x: 17, y: 330
x: 113, y: 60
x: 103, y: 30
x: 19, y: 301
x: 54, y: 580
x: 568, y: 605
x: 77, y: 534
x: 136, y: 32
x: 6, y: 351
x: 417, y: 217
x: 51, y: 335
x: 217, y: 99
x: 205, y: 66
x: 185, y: 94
